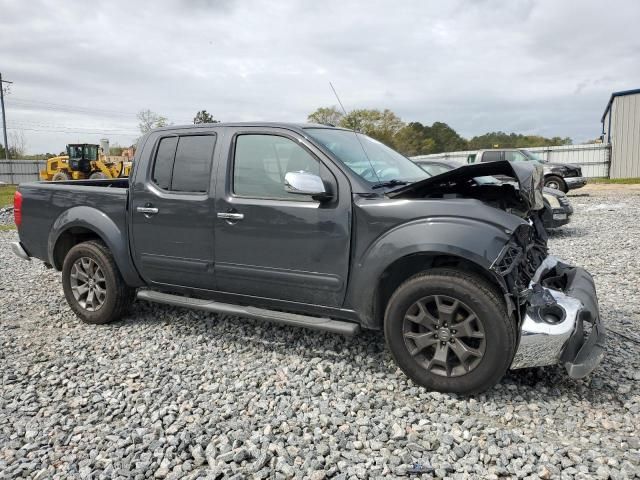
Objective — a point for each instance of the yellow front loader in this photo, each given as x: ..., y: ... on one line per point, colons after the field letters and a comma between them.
x: 82, y: 161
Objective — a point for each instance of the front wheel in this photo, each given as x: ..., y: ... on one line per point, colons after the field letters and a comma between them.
x: 556, y: 182
x: 92, y: 284
x: 449, y: 331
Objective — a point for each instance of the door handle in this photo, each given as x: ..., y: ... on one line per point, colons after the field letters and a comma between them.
x: 231, y: 215
x: 148, y: 211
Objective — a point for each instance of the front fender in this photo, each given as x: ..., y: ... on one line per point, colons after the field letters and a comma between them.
x: 98, y: 222
x: 467, y: 238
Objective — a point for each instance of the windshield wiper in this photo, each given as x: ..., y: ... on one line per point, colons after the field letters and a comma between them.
x: 389, y: 183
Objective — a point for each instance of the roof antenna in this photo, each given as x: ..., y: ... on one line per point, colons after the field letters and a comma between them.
x: 344, y: 110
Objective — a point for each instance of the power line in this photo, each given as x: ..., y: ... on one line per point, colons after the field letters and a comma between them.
x: 129, y: 134
x: 62, y: 106
x: 31, y: 124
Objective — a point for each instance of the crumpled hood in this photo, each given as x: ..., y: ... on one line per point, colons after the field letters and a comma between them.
x: 529, y: 176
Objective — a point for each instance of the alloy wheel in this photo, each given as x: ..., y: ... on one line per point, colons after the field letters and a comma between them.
x: 444, y: 335
x: 88, y: 284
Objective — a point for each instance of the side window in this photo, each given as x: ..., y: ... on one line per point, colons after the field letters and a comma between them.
x: 262, y: 161
x: 183, y: 164
x: 514, y: 156
x: 163, y: 165
x: 192, y: 166
x: 491, y: 156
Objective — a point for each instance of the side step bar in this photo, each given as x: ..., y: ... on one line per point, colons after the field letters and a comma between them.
x: 293, y: 319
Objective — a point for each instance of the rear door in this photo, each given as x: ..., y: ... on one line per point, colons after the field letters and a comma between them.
x: 273, y: 244
x: 172, y: 221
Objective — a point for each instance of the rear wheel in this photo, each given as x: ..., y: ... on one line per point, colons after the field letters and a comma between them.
x: 60, y: 177
x: 556, y: 182
x: 92, y: 284
x: 97, y: 175
x: 450, y: 332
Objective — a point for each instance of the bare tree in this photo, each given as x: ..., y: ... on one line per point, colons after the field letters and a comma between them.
x: 150, y: 120
x: 18, y: 144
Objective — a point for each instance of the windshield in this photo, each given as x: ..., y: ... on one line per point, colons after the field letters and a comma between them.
x: 368, y: 158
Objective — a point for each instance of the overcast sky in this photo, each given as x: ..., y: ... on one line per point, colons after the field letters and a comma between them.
x: 81, y: 70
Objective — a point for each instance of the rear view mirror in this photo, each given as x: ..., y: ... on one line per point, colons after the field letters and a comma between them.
x: 304, y: 183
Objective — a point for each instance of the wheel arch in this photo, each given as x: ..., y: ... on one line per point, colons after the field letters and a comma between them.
x: 83, y: 223
x: 462, y: 243
x: 406, y: 267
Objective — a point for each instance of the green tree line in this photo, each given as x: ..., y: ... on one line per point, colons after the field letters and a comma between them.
x: 414, y: 138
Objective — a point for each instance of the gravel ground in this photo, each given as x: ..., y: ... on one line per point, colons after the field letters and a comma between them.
x: 6, y: 215
x: 172, y: 393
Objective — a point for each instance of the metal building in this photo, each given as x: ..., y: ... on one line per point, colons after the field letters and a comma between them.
x: 621, y: 129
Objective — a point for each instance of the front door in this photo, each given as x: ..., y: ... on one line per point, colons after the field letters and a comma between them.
x: 172, y: 214
x: 274, y: 244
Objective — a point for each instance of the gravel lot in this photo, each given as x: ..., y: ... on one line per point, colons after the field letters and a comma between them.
x: 172, y: 393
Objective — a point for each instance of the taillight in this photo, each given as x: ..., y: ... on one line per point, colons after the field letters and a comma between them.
x: 17, y: 208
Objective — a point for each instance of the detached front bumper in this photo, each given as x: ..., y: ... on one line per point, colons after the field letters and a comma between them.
x: 562, y: 322
x: 575, y: 182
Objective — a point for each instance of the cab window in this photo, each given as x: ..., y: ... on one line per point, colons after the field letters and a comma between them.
x: 183, y: 164
x: 261, y: 162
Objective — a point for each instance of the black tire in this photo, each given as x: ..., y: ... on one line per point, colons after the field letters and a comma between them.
x: 60, y: 177
x: 475, y: 294
x: 117, y: 298
x: 554, y: 181
x: 97, y: 175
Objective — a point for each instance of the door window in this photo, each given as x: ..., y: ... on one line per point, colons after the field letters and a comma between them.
x: 183, y: 164
x: 164, y: 162
x: 514, y: 156
x: 262, y: 161
x: 491, y: 156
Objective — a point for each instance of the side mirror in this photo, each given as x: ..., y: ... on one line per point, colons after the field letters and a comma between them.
x: 304, y: 183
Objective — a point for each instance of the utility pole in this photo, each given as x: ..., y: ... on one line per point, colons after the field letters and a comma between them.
x: 4, y: 118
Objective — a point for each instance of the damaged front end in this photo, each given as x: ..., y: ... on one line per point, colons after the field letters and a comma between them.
x: 561, y: 321
x: 555, y: 304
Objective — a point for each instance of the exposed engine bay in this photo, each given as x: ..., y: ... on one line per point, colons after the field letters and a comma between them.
x: 527, y: 248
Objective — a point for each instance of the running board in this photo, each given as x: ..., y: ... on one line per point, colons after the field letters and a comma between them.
x: 293, y: 319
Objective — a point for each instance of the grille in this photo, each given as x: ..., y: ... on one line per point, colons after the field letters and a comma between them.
x: 508, y: 260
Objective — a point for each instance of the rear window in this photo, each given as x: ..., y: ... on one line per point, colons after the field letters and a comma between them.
x: 183, y: 164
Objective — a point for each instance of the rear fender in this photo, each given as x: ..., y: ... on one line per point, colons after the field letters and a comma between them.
x: 98, y: 222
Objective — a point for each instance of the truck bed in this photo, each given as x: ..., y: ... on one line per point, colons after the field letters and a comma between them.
x: 44, y: 203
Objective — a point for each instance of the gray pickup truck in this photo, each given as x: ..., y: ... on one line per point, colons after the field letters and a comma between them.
x: 559, y: 176
x: 324, y: 228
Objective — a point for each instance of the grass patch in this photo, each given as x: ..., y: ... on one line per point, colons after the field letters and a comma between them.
x: 6, y: 194
x: 7, y: 228
x: 622, y: 181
